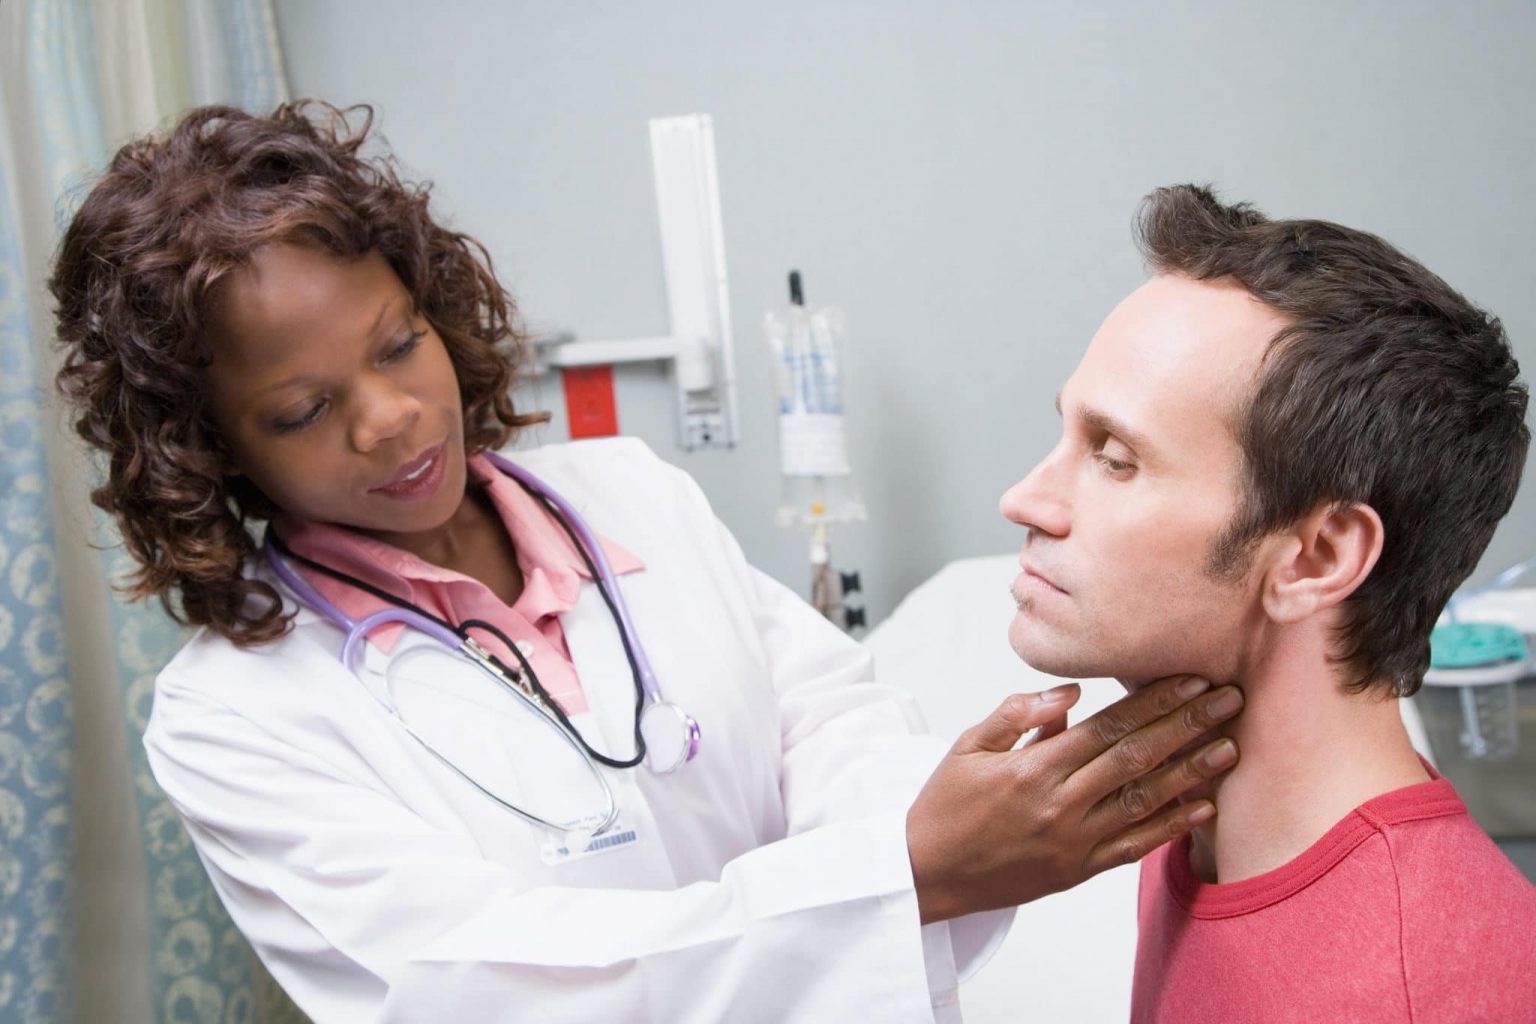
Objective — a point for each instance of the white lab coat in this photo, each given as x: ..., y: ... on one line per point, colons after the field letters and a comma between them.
x: 770, y: 880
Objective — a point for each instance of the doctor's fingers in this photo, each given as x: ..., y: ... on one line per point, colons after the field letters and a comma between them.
x: 1130, y: 846
x: 1142, y: 742
x: 1017, y: 715
x: 1138, y: 799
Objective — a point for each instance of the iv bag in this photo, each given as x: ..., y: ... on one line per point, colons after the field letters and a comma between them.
x: 810, y: 356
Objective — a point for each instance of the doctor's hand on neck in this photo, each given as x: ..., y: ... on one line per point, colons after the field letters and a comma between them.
x: 996, y: 826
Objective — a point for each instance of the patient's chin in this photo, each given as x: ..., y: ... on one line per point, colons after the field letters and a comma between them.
x: 1072, y: 657
x: 1061, y: 653
x: 1054, y: 659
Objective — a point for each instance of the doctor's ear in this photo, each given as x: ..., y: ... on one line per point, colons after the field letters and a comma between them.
x: 1322, y: 559
x: 222, y: 451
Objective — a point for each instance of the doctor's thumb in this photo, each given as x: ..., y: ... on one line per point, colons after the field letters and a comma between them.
x: 1016, y: 715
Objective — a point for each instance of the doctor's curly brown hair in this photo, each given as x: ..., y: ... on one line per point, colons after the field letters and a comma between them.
x: 135, y: 276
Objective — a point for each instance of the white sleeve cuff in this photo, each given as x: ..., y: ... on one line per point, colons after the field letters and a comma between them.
x: 955, y: 950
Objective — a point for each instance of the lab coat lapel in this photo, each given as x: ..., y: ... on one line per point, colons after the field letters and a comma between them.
x: 375, y: 662
x: 597, y: 651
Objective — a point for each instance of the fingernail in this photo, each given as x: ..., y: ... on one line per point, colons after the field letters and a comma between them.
x: 1053, y: 695
x: 1221, y: 755
x: 1202, y: 813
x: 1226, y: 705
x: 1194, y: 686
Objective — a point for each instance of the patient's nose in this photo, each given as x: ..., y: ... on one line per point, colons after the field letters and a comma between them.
x: 1041, y: 500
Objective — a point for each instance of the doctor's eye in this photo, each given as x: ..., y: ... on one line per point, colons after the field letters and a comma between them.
x: 405, y: 347
x: 311, y: 415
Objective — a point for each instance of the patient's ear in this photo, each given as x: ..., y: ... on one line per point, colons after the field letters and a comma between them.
x: 1321, y: 559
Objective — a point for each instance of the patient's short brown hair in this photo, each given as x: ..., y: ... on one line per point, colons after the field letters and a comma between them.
x: 1386, y: 388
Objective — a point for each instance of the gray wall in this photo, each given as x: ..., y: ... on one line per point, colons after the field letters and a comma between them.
x: 959, y: 176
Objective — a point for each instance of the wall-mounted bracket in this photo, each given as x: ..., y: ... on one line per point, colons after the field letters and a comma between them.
x: 698, y: 294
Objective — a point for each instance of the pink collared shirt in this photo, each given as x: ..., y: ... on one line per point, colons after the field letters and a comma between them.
x: 552, y: 576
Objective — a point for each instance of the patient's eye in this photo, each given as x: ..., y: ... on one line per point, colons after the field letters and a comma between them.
x: 1113, y: 465
x: 1115, y: 459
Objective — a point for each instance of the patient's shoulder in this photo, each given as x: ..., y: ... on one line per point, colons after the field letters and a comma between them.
x: 1468, y: 922
x: 1451, y: 857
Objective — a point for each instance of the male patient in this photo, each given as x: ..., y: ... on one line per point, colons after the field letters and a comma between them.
x: 1284, y: 452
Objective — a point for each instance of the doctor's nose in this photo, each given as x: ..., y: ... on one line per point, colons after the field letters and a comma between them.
x: 1041, y: 501
x: 384, y: 412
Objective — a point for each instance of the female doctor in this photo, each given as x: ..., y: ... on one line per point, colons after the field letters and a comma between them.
x: 482, y: 737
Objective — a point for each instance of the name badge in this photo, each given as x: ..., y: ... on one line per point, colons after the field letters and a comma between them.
x: 574, y: 846
x: 577, y: 844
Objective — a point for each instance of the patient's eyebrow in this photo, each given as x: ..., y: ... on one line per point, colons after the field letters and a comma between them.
x: 1103, y: 422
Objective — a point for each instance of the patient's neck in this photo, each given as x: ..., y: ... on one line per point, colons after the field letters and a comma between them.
x: 1310, y: 753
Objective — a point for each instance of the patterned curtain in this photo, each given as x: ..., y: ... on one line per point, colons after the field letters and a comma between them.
x: 94, y: 75
x: 36, y: 731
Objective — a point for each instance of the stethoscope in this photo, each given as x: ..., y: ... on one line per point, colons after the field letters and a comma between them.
x: 666, y: 737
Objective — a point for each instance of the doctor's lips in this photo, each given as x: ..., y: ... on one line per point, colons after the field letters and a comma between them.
x: 418, y: 478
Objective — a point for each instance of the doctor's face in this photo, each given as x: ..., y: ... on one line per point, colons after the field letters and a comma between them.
x: 1123, y: 515
x: 336, y: 398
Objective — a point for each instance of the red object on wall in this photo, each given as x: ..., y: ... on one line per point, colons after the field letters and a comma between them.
x: 589, y: 404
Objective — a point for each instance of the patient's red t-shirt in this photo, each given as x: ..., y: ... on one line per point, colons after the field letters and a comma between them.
x: 1403, y: 911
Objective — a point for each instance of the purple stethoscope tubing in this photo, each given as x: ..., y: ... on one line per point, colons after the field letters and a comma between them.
x: 356, y: 630
x: 664, y: 725
x: 595, y: 551
x: 659, y: 717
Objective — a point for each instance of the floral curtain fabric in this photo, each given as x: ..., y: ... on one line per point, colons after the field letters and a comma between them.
x: 95, y: 74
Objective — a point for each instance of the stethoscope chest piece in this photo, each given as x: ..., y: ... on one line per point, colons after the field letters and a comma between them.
x: 671, y: 736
